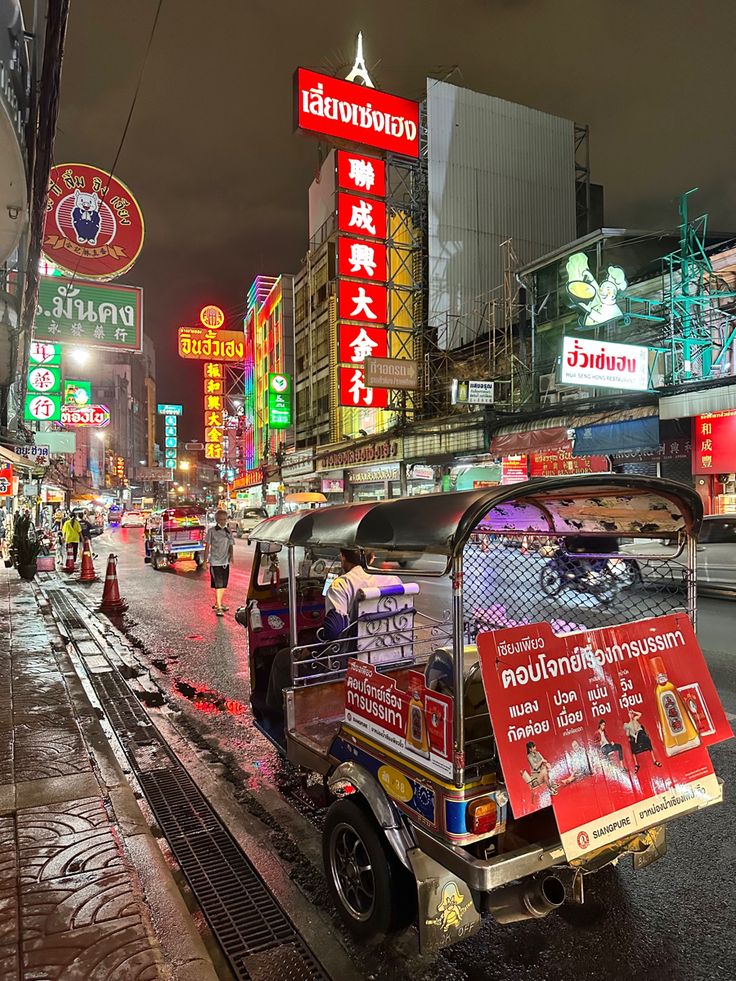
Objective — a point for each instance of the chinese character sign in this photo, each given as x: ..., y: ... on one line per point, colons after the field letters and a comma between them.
x: 360, y: 174
x: 361, y: 260
x: 358, y: 301
x: 362, y: 216
x: 44, y: 379
x: 358, y: 343
x: 42, y: 408
x: 41, y: 352
x: 6, y: 481
x: 714, y: 442
x: 355, y: 393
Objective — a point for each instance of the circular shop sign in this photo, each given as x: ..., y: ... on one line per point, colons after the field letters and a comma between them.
x: 279, y: 383
x: 211, y: 317
x: 93, y: 226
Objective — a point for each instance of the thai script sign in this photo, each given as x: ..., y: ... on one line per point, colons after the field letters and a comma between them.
x: 298, y: 462
x: 93, y: 227
x: 343, y: 110
x: 416, y: 722
x: 200, y: 344
x: 608, y: 726
x: 602, y: 364
x: 169, y: 409
x: 714, y: 442
x: 387, y: 449
x: 92, y: 416
x: 471, y: 392
x: 555, y: 463
x: 89, y: 314
x: 38, y: 454
x: 399, y: 373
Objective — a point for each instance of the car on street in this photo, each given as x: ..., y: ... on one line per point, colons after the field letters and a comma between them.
x: 715, y: 554
x: 245, y: 520
x: 133, y: 519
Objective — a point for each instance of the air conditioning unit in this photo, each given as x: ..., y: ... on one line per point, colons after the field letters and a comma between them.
x: 549, y: 394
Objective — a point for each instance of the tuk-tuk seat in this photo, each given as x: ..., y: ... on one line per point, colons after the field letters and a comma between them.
x: 385, y: 622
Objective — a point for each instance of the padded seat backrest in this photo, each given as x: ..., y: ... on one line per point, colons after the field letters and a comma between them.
x: 386, y: 624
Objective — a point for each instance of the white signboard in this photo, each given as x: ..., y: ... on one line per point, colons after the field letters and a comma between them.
x: 603, y: 364
x: 472, y: 392
x: 39, y: 454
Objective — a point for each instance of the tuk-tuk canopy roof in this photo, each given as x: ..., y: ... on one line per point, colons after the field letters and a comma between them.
x: 598, y: 504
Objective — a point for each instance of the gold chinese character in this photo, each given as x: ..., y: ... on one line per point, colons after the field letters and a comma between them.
x: 705, y: 445
x: 212, y: 370
x: 706, y: 428
x: 212, y: 386
x: 212, y: 419
x: 214, y: 403
x: 707, y: 461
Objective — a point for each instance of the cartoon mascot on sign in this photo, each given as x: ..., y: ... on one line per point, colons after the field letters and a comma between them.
x: 86, y: 217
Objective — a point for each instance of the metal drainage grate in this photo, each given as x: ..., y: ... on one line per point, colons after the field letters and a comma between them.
x: 254, y: 932
x: 242, y: 913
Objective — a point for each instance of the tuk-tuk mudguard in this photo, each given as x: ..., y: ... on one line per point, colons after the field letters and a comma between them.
x: 390, y: 821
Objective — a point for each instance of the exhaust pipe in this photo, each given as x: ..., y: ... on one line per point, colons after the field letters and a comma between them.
x: 530, y: 900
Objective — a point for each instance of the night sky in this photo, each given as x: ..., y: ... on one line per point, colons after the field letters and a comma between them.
x: 222, y: 180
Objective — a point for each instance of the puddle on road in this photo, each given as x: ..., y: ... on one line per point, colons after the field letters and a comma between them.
x: 207, y: 700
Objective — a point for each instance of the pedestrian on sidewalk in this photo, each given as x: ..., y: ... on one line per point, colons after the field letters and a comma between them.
x: 218, y: 552
x: 71, y: 532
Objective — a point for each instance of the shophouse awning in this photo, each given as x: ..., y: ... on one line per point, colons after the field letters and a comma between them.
x: 19, y: 462
x: 541, y: 435
x: 627, y: 436
x: 687, y: 404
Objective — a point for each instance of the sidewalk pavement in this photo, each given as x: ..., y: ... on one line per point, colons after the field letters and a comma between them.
x: 85, y: 892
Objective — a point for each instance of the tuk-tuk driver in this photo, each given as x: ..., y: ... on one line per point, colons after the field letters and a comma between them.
x: 341, y: 602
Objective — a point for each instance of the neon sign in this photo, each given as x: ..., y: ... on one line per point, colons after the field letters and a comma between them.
x: 597, y: 302
x: 343, y: 110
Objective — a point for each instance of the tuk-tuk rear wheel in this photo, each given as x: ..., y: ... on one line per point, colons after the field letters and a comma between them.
x: 373, y: 892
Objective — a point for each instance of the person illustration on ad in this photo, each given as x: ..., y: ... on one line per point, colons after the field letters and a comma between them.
x: 597, y: 302
x: 539, y: 770
x: 607, y: 747
x: 638, y: 739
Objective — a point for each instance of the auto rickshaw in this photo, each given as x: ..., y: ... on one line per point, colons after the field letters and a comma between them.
x: 174, y: 534
x: 428, y: 818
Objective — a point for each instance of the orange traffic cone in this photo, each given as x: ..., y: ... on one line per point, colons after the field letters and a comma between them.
x: 69, y: 565
x: 88, y: 573
x: 111, y: 601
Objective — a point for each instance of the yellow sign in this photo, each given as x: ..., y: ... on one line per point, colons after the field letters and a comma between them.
x: 395, y: 784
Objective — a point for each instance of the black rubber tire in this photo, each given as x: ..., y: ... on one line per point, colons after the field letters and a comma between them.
x: 156, y: 561
x: 551, y: 581
x: 394, y: 890
x: 199, y: 562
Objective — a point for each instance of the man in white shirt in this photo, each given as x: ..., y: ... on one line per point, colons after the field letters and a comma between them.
x: 341, y: 601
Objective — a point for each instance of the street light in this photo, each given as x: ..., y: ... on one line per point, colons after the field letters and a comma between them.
x: 184, y: 465
x: 79, y: 355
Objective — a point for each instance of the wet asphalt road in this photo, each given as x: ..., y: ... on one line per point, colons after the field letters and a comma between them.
x: 675, y: 920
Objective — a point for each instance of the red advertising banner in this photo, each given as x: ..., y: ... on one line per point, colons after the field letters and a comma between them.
x: 347, y: 111
x: 514, y: 468
x: 714, y: 442
x: 609, y: 726
x: 6, y: 481
x: 361, y: 216
x: 357, y: 301
x: 416, y: 722
x: 357, y: 343
x: 361, y: 259
x: 556, y: 463
x: 354, y: 392
x: 366, y: 175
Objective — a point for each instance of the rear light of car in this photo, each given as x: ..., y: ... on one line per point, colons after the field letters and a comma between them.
x: 480, y: 817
